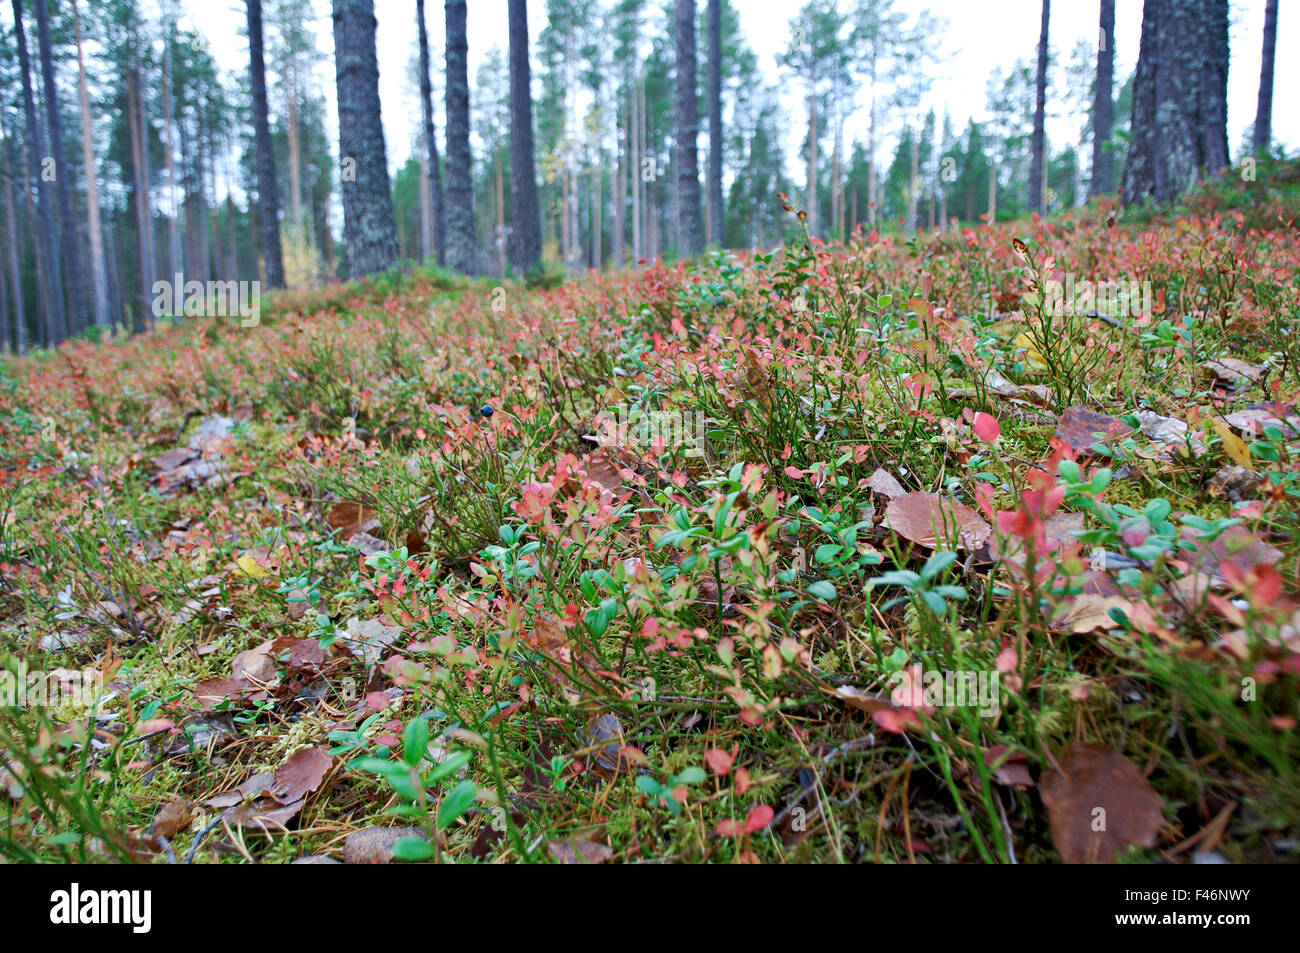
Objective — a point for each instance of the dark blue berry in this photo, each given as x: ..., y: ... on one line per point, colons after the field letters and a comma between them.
x: 486, y: 410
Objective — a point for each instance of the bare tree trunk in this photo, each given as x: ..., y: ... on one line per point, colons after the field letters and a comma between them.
x: 1038, y: 157
x: 268, y: 189
x: 141, y: 201
x: 1264, y: 108
x: 48, y: 259
x: 116, y: 306
x: 810, y: 189
x: 598, y: 195
x: 432, y: 164
x: 638, y: 247
x: 690, y: 238
x: 173, y: 238
x: 73, y: 273
x: 914, y: 186
x: 525, y: 211
x: 1103, y: 163
x: 620, y: 191
x: 462, y: 245
x: 295, y: 161
x: 99, y: 278
x: 872, y: 204
x: 837, y: 194
x: 368, y: 221
x: 1179, y: 124
x: 993, y: 192
x: 426, y: 210
x: 501, y: 214
x: 11, y: 227
x: 717, y: 211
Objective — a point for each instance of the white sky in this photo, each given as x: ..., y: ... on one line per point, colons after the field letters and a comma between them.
x: 982, y: 35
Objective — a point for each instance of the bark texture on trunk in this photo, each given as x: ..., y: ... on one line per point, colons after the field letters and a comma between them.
x: 369, y: 226
x: 433, y: 165
x: 717, y: 211
x: 1180, y: 118
x: 690, y: 239
x: 1103, y: 105
x: 1264, y: 107
x: 525, y: 212
x: 268, y: 189
x: 462, y: 246
x: 1038, y: 157
x: 74, y: 273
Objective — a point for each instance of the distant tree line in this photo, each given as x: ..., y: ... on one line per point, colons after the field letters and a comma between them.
x: 630, y: 130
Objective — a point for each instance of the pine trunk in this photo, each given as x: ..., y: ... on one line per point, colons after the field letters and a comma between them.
x: 1179, y: 124
x: 525, y: 212
x: 432, y: 163
x: 48, y: 258
x: 74, y: 273
x: 717, y: 211
x: 1103, y: 122
x: 462, y: 253
x: 689, y: 227
x: 369, y: 226
x: 1038, y: 157
x: 1264, y: 108
x: 268, y: 189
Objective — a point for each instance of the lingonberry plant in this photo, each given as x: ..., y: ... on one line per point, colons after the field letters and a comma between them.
x: 384, y: 555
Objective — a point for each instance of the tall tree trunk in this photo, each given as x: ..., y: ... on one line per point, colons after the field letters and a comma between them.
x: 99, y: 275
x: 432, y: 163
x: 598, y: 222
x: 173, y: 238
x: 810, y: 188
x: 620, y: 189
x: 369, y: 226
x: 116, y: 306
x: 56, y: 328
x: 717, y: 211
x: 837, y: 195
x: 501, y: 213
x: 872, y: 186
x: 638, y: 247
x: 993, y: 192
x: 268, y: 189
x: 1180, y: 128
x: 1103, y: 122
x: 140, y: 199
x: 1038, y: 158
x: 689, y: 228
x: 1264, y: 109
x: 426, y: 210
x: 914, y: 186
x: 462, y: 245
x: 525, y: 212
x: 73, y: 272
x: 15, y: 270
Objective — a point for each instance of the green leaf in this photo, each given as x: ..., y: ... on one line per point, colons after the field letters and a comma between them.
x: 415, y: 741
x: 935, y: 602
x: 692, y: 775
x: 937, y: 564
x: 447, y: 767
x: 827, y: 552
x: 822, y: 590
x: 455, y: 802
x: 412, y: 848
x: 1157, y: 510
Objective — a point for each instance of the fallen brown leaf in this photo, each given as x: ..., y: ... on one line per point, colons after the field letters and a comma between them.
x: 930, y: 520
x: 1099, y: 805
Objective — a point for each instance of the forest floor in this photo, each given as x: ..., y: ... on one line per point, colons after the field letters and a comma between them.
x: 864, y: 553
